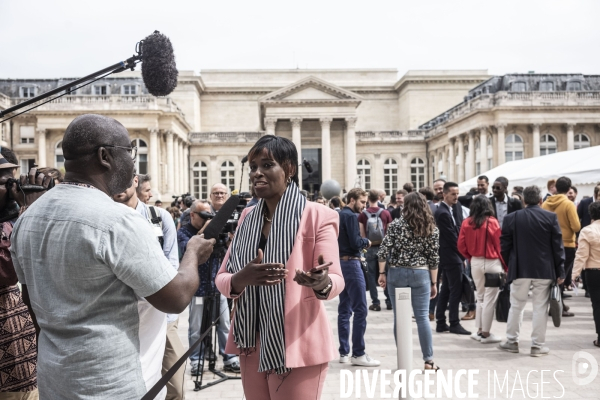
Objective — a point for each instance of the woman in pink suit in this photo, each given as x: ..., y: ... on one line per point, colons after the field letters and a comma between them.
x: 280, y: 327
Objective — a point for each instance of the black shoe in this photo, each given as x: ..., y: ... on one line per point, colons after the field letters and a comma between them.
x: 442, y: 328
x: 566, y: 296
x: 388, y: 306
x: 464, y: 309
x: 233, y: 367
x: 459, y: 330
x: 375, y: 307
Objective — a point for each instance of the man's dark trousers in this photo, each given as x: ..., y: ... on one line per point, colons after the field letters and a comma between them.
x: 450, y: 294
x: 352, y: 300
x: 569, y: 260
x: 373, y: 274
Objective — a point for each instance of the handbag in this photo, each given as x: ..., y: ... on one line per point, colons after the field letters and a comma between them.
x: 8, y: 276
x: 492, y: 279
x: 468, y: 289
x: 503, y: 303
x: 556, y: 306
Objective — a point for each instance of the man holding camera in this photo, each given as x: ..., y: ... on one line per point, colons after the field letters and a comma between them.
x: 207, y: 272
x: 84, y: 260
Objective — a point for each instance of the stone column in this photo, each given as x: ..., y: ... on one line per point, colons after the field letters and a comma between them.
x: 451, y: 161
x: 461, y: 158
x: 176, y: 164
x: 182, y: 167
x: 170, y: 164
x: 483, y: 149
x: 350, y: 153
x: 536, y: 140
x: 41, y: 142
x: 325, y: 148
x: 186, y: 163
x: 153, y: 160
x: 403, y: 174
x: 501, y: 143
x: 471, y: 161
x: 297, y: 139
x: 270, y: 125
x: 444, y: 169
x: 570, y: 136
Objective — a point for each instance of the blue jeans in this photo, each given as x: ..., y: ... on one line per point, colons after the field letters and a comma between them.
x: 373, y: 275
x: 196, y: 309
x: 352, y: 300
x: 419, y: 281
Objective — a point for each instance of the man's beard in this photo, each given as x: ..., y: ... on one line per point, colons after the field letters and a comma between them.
x: 121, y: 179
x: 439, y: 197
x: 355, y: 209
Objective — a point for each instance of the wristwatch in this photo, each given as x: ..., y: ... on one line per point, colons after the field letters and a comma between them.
x: 326, y: 290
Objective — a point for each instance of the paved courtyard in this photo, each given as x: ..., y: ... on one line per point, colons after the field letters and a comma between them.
x: 452, y: 352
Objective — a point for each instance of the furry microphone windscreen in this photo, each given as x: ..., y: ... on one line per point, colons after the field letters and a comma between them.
x: 158, y: 64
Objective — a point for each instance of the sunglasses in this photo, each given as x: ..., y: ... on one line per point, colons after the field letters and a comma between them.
x: 497, y: 187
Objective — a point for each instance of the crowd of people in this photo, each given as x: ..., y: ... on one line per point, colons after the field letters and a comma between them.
x: 105, y: 270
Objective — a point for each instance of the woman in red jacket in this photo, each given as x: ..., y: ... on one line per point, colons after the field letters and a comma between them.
x: 479, y: 242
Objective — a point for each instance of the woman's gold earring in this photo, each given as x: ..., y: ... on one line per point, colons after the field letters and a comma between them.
x: 289, y: 180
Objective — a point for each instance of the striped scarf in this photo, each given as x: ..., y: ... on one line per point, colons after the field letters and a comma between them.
x: 244, y: 249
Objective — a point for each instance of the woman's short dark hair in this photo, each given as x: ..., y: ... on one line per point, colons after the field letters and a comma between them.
x: 281, y: 149
x: 595, y: 210
x: 481, y: 209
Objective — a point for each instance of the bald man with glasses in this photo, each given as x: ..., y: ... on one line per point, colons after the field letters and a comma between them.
x: 218, y: 196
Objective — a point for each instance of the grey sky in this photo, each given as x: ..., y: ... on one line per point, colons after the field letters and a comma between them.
x: 60, y: 38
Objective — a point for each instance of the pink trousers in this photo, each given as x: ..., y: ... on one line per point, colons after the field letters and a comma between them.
x: 305, y: 383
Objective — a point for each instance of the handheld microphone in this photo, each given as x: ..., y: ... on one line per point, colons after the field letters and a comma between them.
x: 307, y: 166
x: 159, y: 71
x: 220, y: 219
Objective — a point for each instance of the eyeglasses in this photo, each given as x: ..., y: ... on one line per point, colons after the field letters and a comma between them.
x: 131, y: 150
x: 220, y: 193
x: 497, y: 188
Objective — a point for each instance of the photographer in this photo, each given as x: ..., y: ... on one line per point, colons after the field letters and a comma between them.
x: 83, y: 269
x: 186, y: 202
x: 207, y: 272
x: 19, y: 331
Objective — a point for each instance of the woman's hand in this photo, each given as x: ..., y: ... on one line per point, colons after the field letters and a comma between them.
x: 433, y: 292
x: 382, y: 281
x: 316, y: 280
x: 257, y: 274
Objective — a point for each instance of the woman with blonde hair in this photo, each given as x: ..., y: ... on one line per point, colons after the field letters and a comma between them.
x: 412, y: 244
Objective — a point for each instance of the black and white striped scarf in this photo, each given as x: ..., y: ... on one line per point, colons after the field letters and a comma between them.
x: 244, y: 249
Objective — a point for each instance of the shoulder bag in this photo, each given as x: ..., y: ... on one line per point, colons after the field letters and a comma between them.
x: 492, y: 279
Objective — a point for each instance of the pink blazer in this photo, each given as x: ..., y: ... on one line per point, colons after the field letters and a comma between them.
x: 308, y: 335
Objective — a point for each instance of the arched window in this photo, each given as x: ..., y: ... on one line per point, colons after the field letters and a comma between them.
x: 363, y: 171
x: 518, y: 86
x: 228, y: 175
x: 417, y: 173
x: 390, y: 176
x: 200, y: 180
x: 514, y: 147
x: 141, y: 161
x: 490, y: 153
x: 478, y: 157
x: 547, y: 145
x: 546, y: 86
x: 59, y: 158
x: 582, y: 141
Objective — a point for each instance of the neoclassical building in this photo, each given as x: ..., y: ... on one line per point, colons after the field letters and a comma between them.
x: 363, y: 128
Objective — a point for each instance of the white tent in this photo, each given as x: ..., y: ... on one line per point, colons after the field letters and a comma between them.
x: 582, y: 166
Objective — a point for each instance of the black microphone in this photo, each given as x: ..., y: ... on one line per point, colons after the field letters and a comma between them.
x: 307, y: 166
x: 159, y: 71
x: 220, y: 219
x: 245, y: 160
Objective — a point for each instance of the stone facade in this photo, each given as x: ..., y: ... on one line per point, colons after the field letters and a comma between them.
x: 359, y: 127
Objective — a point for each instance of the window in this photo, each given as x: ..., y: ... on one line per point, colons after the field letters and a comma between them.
x: 573, y: 86
x: 547, y: 145
x: 228, y: 175
x: 514, y: 148
x: 390, y: 176
x: 518, y: 87
x: 141, y: 161
x: 27, y: 91
x: 417, y: 173
x: 546, y: 86
x: 27, y: 164
x: 200, y: 180
x: 100, y: 90
x: 581, y: 141
x: 490, y: 153
x: 27, y: 134
x: 129, y: 89
x: 58, y: 156
x: 364, y: 174
x: 478, y: 158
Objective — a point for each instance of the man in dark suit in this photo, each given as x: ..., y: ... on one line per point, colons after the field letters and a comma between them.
x: 503, y: 203
x: 448, y: 219
x: 532, y: 247
x: 583, y: 209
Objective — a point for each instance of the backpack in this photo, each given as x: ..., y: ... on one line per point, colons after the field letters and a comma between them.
x: 156, y: 221
x: 374, y: 227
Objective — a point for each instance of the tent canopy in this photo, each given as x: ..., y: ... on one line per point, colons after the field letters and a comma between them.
x: 582, y: 166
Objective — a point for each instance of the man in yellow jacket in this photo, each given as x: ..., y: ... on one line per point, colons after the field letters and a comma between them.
x: 566, y: 211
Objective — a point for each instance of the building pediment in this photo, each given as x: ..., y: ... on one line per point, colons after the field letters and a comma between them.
x: 310, y: 88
